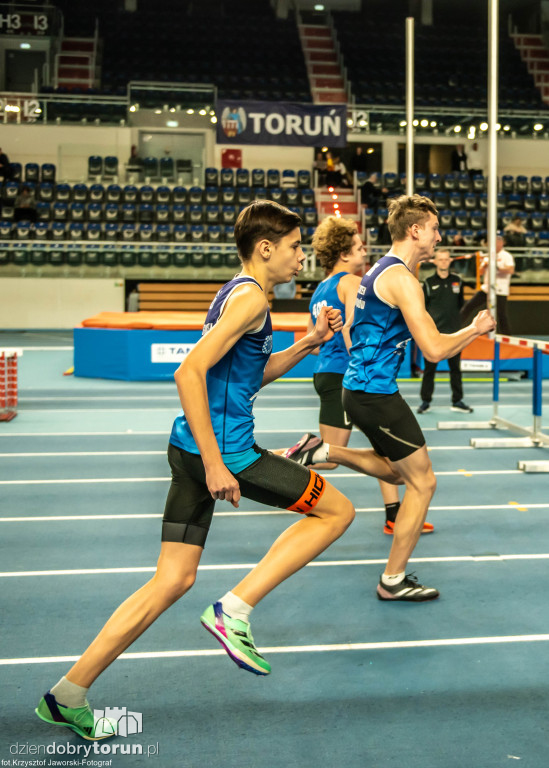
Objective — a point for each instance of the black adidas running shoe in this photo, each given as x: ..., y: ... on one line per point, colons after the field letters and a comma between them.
x: 408, y: 589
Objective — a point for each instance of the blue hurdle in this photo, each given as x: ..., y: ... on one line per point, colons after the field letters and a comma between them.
x: 533, y: 436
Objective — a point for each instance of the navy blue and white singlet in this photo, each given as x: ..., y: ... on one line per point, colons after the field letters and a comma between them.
x: 379, y: 335
x: 332, y: 355
x: 232, y: 385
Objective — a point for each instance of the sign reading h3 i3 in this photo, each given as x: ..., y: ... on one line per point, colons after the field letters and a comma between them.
x: 281, y: 123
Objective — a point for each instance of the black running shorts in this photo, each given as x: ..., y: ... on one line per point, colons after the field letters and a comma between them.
x: 387, y: 422
x: 271, y: 480
x: 328, y: 387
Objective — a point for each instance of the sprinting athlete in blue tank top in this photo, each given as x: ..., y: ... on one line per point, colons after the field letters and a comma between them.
x: 390, y: 308
x: 217, y: 383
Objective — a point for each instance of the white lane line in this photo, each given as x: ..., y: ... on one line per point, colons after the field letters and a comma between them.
x: 249, y: 566
x: 165, y: 432
x: 88, y: 480
x: 252, y: 513
x: 326, y: 648
x: 46, y: 349
x: 173, y: 396
x: 50, y: 454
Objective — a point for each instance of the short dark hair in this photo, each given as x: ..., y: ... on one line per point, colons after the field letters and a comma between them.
x: 406, y: 210
x: 262, y: 220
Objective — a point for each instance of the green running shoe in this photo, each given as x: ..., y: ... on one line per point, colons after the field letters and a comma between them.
x: 79, y: 720
x: 235, y: 636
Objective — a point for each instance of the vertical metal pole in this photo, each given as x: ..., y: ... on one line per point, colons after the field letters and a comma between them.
x: 537, y: 393
x: 495, y: 390
x: 492, y: 148
x: 409, y: 105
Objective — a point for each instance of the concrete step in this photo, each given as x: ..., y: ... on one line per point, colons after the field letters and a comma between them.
x: 310, y: 30
x: 329, y: 96
x: 325, y: 69
x: 334, y: 82
x: 344, y: 208
x: 82, y: 44
x: 325, y: 56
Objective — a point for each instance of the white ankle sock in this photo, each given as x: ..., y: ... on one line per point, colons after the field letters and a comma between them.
x: 69, y: 694
x: 236, y: 608
x: 392, y: 580
x: 321, y: 454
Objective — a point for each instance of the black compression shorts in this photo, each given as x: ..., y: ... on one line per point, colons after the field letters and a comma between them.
x: 271, y: 480
x: 387, y: 422
x: 332, y: 413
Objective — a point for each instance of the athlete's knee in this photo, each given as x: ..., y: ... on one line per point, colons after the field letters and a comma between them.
x: 173, y: 586
x: 345, y: 513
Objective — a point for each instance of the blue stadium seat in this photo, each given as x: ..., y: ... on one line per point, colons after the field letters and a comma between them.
x: 63, y: 193
x: 211, y: 195
x: 470, y: 201
x: 390, y: 180
x: 96, y: 193
x: 150, y: 167
x: 196, y: 195
x: 94, y: 212
x: 167, y: 167
x: 461, y: 219
x: 179, y: 213
x: 478, y: 220
x: 75, y: 258
x: 536, y: 185
x: 130, y: 193
x: 214, y: 233
x: 307, y: 197
x: 128, y: 231
x: 420, y: 181
x: 112, y: 211
x: 226, y: 177
x: 92, y: 258
x: 260, y: 193
x: 146, y: 194
x: 537, y: 220
x: 211, y: 177
x: 110, y: 166
x: 56, y: 257
x: 41, y: 229
x: 146, y: 213
x: 46, y: 192
x: 76, y: 211
x: 258, y: 177
x: 228, y: 214
x: 37, y: 256
x: 530, y: 202
x: 163, y: 232
x: 128, y: 258
x: 303, y: 179
x: 507, y: 184
x: 180, y: 256
x: 212, y: 214
x: 530, y: 238
x: 449, y: 182
x: 180, y: 232
x: 543, y: 238
x: 228, y: 195
x: 43, y: 211
x: 60, y: 211
x: 47, y: 172
x: 23, y: 230
x: 80, y: 193
x: 514, y: 201
x: 93, y: 230
x: 446, y: 218
x: 145, y: 232
x: 129, y: 212
x: 455, y: 201
x: 112, y: 229
x: 197, y: 233
x: 228, y: 233
x: 32, y: 173
x: 215, y: 259
x: 521, y: 185
x: 440, y: 199
x: 479, y: 183
x: 463, y: 182
x: 310, y: 217
x: 163, y: 258
x: 76, y: 230
x: 273, y: 178
x: 244, y: 195
x: 292, y: 196
x: 58, y: 230
x: 163, y: 195
x: 113, y: 193
x: 435, y: 182
x: 242, y: 177
x: 16, y: 171
x: 196, y: 214
x: 162, y: 213
x: 469, y: 237
x: 276, y: 194
x: 543, y: 202
x: 95, y: 166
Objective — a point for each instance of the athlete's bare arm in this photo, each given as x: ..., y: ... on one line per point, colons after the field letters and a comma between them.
x: 347, y: 291
x: 400, y: 288
x: 328, y: 322
x: 244, y: 311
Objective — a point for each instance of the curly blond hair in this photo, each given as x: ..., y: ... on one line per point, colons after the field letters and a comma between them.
x: 333, y: 237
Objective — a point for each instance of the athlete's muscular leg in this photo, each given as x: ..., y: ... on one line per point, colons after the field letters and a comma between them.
x: 298, y: 545
x: 420, y: 483
x: 175, y: 575
x: 367, y: 461
x: 332, y: 436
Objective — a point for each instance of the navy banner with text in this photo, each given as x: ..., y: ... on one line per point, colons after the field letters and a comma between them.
x: 281, y: 123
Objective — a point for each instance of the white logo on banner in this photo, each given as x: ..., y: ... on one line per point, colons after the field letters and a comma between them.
x: 170, y: 353
x: 476, y: 365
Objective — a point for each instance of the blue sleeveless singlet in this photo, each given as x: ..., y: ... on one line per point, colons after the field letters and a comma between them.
x: 379, y: 335
x: 232, y: 383
x: 332, y: 356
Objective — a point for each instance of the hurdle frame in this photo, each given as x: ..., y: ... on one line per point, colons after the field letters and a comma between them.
x: 8, y: 382
x: 533, y: 437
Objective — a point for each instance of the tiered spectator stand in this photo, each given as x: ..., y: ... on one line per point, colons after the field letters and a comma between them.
x: 76, y: 65
x: 536, y: 57
x: 323, y: 66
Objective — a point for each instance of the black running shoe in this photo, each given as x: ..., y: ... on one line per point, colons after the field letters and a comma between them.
x: 302, y: 452
x: 408, y: 589
x: 424, y: 407
x: 461, y: 407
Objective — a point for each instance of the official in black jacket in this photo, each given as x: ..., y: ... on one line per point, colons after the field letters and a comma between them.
x: 443, y: 301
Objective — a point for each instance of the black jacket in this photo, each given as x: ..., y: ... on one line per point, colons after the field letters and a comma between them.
x: 443, y: 300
